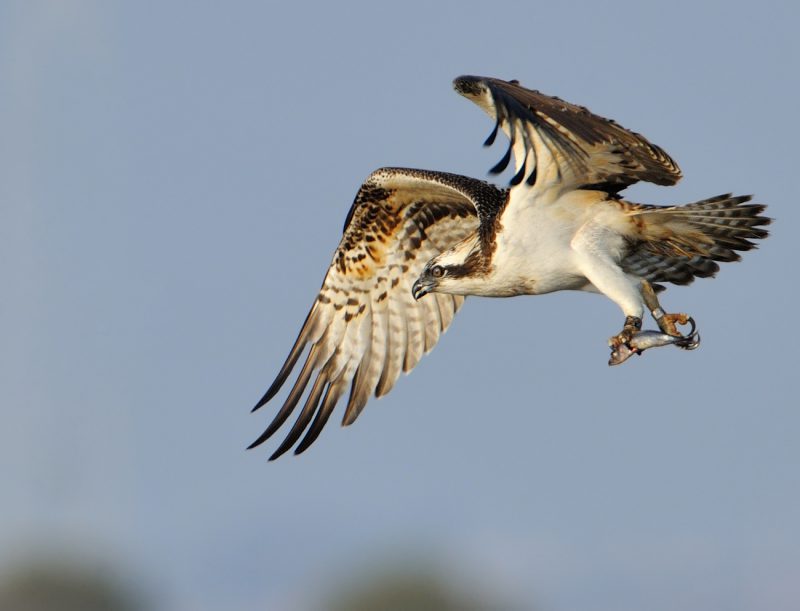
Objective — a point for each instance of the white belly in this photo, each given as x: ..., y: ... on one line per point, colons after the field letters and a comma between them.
x: 533, y: 248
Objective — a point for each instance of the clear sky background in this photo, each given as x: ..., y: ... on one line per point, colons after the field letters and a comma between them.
x: 173, y: 180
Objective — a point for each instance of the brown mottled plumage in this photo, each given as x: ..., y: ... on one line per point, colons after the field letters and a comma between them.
x: 365, y: 327
x: 416, y: 242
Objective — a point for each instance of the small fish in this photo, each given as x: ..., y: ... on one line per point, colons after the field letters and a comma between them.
x: 654, y: 339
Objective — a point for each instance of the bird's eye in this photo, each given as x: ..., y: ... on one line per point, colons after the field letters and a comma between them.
x: 437, y: 271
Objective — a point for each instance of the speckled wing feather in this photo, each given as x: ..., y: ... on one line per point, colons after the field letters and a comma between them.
x: 558, y: 144
x: 365, y: 326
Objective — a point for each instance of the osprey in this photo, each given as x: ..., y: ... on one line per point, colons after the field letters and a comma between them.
x: 416, y: 242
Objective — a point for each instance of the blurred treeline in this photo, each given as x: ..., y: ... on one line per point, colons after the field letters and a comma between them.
x: 62, y: 585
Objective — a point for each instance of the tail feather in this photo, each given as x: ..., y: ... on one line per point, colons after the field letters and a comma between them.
x: 680, y: 243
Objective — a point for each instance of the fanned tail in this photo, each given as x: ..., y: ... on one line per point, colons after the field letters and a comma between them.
x: 680, y: 243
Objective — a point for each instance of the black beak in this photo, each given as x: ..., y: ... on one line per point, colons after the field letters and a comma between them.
x: 421, y: 288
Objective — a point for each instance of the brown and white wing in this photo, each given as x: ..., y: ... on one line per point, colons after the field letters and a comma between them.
x: 558, y: 144
x: 365, y: 326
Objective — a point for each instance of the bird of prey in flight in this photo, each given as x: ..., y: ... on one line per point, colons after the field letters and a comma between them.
x: 417, y: 242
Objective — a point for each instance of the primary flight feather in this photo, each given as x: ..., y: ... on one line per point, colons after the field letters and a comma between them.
x: 416, y: 242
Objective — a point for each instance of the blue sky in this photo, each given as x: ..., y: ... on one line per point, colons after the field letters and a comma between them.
x: 173, y: 179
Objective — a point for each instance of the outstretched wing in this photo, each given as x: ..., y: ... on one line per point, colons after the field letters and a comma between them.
x: 559, y: 144
x: 365, y: 326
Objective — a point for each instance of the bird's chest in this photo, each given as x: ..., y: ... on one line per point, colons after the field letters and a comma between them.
x: 533, y: 250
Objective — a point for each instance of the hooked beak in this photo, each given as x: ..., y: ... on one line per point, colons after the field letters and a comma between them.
x: 421, y: 287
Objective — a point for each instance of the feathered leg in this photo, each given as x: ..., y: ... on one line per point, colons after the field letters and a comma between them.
x: 591, y: 246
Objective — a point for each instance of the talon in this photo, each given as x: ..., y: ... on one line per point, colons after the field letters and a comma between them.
x: 667, y: 323
x: 692, y: 339
x: 632, y: 326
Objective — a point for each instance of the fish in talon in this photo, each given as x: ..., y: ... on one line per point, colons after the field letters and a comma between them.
x: 652, y: 339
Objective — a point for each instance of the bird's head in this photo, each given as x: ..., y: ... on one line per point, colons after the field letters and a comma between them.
x: 449, y: 272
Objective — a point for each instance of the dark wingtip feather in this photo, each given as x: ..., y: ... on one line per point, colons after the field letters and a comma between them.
x: 303, y: 419
x: 277, y: 384
x: 288, y: 365
x: 271, y: 392
x: 359, y: 395
x: 517, y: 178
x: 261, y: 439
x: 276, y: 423
x: 503, y: 163
x: 354, y: 407
x: 278, y: 453
x: 490, y: 140
x: 332, y: 395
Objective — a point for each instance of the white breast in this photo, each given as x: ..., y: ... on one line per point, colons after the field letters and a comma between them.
x: 533, y: 253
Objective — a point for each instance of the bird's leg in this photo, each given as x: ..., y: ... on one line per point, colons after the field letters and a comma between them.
x: 666, y: 322
x: 633, y: 324
x: 592, y: 246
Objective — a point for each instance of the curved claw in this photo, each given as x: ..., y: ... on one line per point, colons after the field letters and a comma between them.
x: 691, y: 340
